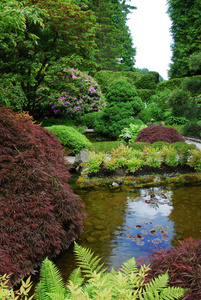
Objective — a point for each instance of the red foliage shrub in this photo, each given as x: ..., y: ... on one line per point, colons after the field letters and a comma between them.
x: 39, y: 213
x: 183, y: 264
x: 159, y: 133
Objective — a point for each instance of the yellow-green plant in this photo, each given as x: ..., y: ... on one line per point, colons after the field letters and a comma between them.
x: 152, y: 157
x: 134, y: 164
x: 194, y: 159
x: 170, y: 156
x: 8, y: 293
x: 95, y: 160
x: 91, y: 281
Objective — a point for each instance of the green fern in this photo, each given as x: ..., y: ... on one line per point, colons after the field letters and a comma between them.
x: 158, y: 289
x: 50, y: 281
x: 129, y: 266
x: 86, y: 261
x: 127, y: 283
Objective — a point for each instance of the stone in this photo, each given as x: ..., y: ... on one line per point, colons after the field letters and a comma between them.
x: 80, y: 158
x: 114, y: 185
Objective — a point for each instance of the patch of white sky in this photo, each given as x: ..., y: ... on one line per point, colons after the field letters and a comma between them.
x: 150, y: 29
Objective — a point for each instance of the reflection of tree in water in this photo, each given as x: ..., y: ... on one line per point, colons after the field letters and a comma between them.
x: 186, y: 212
x: 106, y: 211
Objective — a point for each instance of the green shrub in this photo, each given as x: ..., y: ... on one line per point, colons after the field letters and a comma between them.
x: 147, y: 81
x: 181, y: 103
x: 160, y: 145
x: 91, y: 281
x: 153, y: 111
x: 176, y: 120
x: 123, y: 105
x: 192, y: 128
x: 193, y: 85
x: 170, y: 84
x: 70, y: 137
x: 121, y: 91
x: 145, y: 94
x: 12, y: 95
x: 106, y: 78
x: 89, y: 119
x: 131, y: 132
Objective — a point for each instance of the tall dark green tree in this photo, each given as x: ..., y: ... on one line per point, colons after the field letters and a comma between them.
x: 186, y: 33
x: 113, y: 38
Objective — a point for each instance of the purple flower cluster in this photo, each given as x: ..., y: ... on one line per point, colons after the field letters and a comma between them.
x: 84, y: 97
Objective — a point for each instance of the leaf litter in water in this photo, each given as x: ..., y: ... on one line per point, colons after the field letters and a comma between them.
x: 148, y: 229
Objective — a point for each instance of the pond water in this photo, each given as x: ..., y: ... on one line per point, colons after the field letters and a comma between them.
x: 134, y: 222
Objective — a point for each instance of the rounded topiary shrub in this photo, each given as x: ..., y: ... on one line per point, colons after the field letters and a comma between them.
x: 70, y: 137
x: 40, y: 215
x: 121, y: 91
x: 123, y: 106
x: 159, y: 133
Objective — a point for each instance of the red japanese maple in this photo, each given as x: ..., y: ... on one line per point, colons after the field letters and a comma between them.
x: 39, y: 213
x: 159, y: 133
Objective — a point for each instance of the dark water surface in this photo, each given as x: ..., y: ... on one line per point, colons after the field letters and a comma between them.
x: 134, y: 222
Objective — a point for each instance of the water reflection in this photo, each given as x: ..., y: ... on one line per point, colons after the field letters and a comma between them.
x: 126, y: 223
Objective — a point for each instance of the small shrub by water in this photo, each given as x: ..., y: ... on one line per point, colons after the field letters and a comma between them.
x: 183, y: 264
x: 70, y: 137
x: 159, y: 133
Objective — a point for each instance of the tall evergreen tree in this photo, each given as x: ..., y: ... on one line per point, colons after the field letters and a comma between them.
x: 113, y: 38
x: 186, y: 33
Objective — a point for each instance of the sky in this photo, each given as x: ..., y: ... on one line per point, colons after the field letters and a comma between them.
x: 150, y: 29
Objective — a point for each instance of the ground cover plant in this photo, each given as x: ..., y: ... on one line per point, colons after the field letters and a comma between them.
x: 183, y: 264
x: 159, y: 133
x: 132, y: 160
x: 91, y: 281
x: 70, y: 137
x: 39, y: 213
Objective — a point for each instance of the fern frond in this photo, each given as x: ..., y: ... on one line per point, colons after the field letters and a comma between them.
x: 157, y: 284
x: 76, y: 277
x: 86, y: 261
x: 171, y: 293
x: 129, y: 267
x: 50, y: 281
x: 55, y: 296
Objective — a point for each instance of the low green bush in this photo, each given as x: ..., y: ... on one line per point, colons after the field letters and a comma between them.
x: 176, y: 120
x: 192, y: 128
x: 131, y: 132
x: 89, y: 119
x: 91, y: 281
x: 145, y: 94
x: 133, y: 159
x: 70, y: 137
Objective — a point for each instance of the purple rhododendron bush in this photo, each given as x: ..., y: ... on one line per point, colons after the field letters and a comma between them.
x: 158, y: 133
x: 39, y: 213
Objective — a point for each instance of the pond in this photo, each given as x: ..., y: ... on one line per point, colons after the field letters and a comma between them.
x: 134, y: 222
